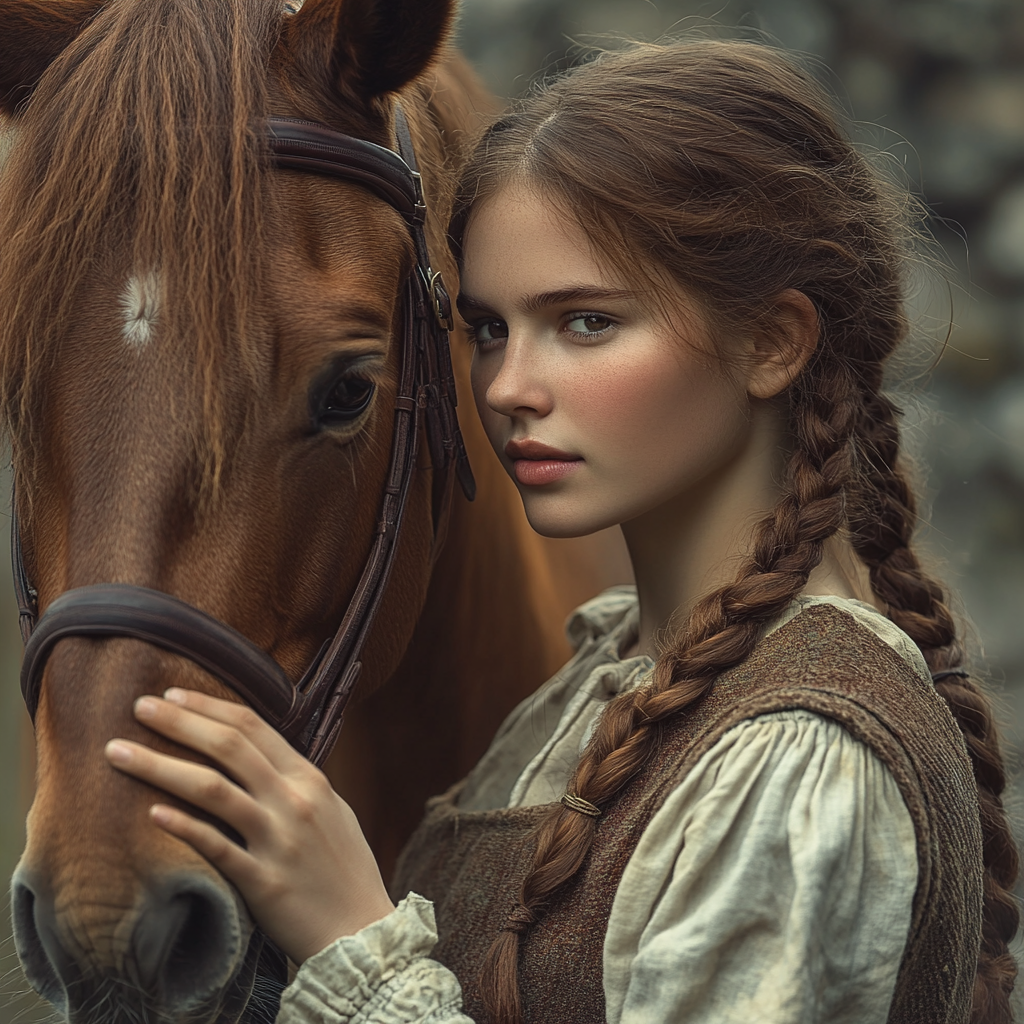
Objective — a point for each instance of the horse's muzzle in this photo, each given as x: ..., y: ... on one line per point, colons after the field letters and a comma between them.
x: 179, y: 947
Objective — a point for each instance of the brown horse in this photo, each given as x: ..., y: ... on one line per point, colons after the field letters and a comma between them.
x: 198, y: 365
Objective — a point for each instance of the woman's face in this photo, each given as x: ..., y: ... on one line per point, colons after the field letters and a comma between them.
x: 599, y: 408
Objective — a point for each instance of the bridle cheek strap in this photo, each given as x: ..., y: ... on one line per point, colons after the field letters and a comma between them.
x: 309, y: 713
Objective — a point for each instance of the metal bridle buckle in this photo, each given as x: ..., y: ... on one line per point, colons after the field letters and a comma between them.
x: 442, y: 303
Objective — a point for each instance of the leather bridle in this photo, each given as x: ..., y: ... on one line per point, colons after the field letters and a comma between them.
x: 308, y: 713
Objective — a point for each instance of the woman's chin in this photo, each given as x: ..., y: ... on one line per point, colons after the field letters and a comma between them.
x: 567, y: 521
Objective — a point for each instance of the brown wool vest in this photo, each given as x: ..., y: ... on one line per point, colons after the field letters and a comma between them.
x: 472, y: 864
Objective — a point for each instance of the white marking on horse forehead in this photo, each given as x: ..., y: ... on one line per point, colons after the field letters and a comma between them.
x: 140, y: 304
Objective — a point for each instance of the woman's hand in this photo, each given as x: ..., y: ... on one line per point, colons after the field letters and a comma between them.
x: 307, y: 873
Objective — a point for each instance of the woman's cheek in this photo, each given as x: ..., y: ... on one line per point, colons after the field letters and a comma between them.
x: 618, y: 406
x: 657, y: 413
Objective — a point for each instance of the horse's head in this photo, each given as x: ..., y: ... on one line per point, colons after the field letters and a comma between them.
x: 198, y: 363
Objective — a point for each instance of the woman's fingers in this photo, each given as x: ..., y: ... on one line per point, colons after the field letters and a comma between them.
x: 197, y: 784
x: 229, y: 744
x: 277, y: 750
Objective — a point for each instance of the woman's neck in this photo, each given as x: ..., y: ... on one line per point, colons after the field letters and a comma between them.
x: 696, y: 541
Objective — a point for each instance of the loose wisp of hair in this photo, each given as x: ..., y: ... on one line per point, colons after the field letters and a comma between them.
x: 723, y: 167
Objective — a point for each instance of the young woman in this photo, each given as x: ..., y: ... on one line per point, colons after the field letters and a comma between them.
x: 750, y: 795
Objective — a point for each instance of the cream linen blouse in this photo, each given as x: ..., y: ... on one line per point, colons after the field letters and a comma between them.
x: 774, y: 886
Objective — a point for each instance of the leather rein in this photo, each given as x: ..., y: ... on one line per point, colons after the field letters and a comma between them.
x: 309, y: 713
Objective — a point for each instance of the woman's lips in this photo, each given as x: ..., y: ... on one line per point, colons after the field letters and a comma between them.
x: 536, y: 464
x: 533, y: 472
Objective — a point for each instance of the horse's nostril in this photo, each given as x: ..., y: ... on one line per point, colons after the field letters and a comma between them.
x: 46, y: 963
x: 186, y: 942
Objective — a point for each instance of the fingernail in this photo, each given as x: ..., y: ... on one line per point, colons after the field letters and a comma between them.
x: 118, y: 751
x: 175, y: 695
x: 145, y: 707
x: 160, y: 814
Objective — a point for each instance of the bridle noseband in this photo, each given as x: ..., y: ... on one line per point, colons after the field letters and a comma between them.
x: 309, y: 713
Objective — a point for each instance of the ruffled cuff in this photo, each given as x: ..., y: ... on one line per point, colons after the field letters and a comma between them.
x: 380, y: 975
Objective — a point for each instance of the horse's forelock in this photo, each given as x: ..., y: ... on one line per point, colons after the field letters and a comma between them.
x: 141, y: 143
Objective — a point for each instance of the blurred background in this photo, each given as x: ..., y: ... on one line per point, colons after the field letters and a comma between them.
x: 938, y: 87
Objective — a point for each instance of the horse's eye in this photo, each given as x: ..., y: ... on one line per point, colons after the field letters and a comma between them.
x: 346, y: 400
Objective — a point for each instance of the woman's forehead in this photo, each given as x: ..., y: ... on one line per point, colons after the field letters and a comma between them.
x: 519, y: 241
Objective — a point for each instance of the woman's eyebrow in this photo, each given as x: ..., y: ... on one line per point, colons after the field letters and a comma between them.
x: 580, y: 294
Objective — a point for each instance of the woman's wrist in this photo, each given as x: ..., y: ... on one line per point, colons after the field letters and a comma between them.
x: 360, y: 914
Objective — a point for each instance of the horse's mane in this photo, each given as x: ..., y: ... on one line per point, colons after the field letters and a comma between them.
x: 139, y: 154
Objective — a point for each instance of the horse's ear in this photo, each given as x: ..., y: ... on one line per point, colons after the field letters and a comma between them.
x: 372, y: 47
x: 32, y: 34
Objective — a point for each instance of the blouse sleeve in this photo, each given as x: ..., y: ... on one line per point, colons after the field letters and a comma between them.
x: 381, y: 975
x: 775, y: 885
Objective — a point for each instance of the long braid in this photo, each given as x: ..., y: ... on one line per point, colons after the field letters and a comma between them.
x: 720, y: 632
x: 882, y: 532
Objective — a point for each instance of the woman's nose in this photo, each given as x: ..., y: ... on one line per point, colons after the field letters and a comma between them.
x: 520, y: 384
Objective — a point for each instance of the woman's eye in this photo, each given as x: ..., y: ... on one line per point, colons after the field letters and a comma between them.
x: 346, y: 400
x: 589, y: 323
x: 486, y: 331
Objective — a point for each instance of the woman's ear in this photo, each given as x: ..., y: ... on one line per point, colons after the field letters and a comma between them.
x: 778, y: 356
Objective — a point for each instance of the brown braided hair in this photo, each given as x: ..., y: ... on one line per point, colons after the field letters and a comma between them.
x: 723, y: 167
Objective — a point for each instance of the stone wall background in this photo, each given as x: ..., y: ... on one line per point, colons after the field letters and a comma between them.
x: 938, y: 85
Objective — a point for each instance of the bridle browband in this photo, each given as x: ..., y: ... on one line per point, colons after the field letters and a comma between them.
x: 309, y: 713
